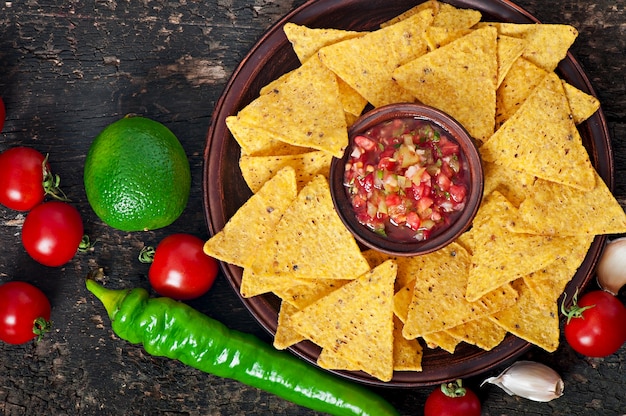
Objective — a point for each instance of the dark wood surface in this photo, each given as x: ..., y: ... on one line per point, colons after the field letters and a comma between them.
x: 67, y: 69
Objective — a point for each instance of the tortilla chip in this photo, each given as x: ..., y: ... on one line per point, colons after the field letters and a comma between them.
x: 436, y: 36
x: 546, y: 44
x: 432, y: 5
x: 385, y: 50
x: 255, y: 219
x: 542, y: 140
x: 509, y: 50
x: 555, y: 209
x: 256, y: 141
x: 547, y: 285
x: 355, y: 321
x: 458, y: 78
x: 513, y: 184
x: 455, y: 18
x: 307, y: 41
x: 442, y: 340
x: 583, y: 105
x: 539, y: 326
x: 501, y: 256
x: 304, y: 110
x: 439, y: 288
x: 257, y: 170
x: 520, y: 81
x: 407, y: 353
x: 303, y: 293
x: 408, y: 266
x: 482, y: 333
x: 310, y: 241
x: 254, y: 284
x: 285, y: 335
x: 332, y: 361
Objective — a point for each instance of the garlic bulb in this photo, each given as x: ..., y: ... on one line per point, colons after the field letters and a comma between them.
x: 611, y: 271
x: 530, y: 380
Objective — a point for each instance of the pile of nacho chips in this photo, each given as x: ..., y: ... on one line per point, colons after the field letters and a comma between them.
x: 543, y: 202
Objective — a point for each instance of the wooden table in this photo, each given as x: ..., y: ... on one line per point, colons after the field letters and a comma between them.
x: 70, y: 68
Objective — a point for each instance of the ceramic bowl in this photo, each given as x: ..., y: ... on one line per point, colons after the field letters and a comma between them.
x: 473, y: 173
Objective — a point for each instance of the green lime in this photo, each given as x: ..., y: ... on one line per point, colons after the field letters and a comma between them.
x: 137, y: 175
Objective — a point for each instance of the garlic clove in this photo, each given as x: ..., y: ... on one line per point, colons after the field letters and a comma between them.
x: 611, y: 270
x: 530, y: 380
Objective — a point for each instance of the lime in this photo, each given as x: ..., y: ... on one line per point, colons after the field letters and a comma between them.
x: 137, y: 175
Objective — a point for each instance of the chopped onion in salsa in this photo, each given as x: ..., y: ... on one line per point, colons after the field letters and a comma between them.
x: 406, y: 179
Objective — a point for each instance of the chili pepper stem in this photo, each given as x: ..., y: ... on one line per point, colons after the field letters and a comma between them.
x: 111, y: 299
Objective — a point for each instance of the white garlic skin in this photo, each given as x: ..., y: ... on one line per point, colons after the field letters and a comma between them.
x: 611, y: 270
x: 530, y: 380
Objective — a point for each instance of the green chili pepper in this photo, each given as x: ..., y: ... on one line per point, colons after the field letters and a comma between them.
x: 175, y: 330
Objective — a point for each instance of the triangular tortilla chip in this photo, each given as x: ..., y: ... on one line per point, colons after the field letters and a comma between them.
x: 285, y: 335
x: 583, y: 105
x: 546, y: 44
x: 310, y: 241
x: 304, y: 110
x: 555, y: 209
x: 455, y: 18
x: 542, y: 140
x: 539, y: 326
x: 356, y: 321
x: 307, y: 41
x: 439, y: 288
x: 501, y: 256
x: 458, y: 78
x: 407, y: 353
x: 257, y: 170
x: 367, y: 63
x: 442, y: 340
x: 509, y: 49
x: 256, y: 141
x: 255, y: 219
x: 513, y: 184
x: 432, y: 5
x: 480, y: 332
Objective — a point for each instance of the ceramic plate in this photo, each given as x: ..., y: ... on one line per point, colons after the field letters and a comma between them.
x: 225, y: 190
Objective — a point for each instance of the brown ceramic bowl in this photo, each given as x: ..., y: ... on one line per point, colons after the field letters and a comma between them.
x: 472, y: 165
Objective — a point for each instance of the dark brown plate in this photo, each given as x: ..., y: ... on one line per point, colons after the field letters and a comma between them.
x: 225, y: 190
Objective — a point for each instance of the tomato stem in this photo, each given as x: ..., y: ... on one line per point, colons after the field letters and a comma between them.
x: 40, y: 327
x: 146, y: 255
x: 453, y: 388
x: 574, y: 311
x: 51, y: 183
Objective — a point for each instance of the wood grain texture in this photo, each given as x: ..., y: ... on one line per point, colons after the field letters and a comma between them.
x: 69, y: 68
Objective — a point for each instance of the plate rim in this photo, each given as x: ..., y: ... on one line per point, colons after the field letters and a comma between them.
x: 213, y: 189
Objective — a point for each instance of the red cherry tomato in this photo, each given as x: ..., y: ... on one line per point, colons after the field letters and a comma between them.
x: 52, y: 232
x: 452, y: 399
x: 595, y: 325
x: 24, y: 312
x: 180, y: 269
x: 21, y: 178
x: 3, y: 114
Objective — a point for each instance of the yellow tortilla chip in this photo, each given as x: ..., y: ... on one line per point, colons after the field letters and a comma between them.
x: 256, y: 219
x: 555, y: 209
x: 256, y: 141
x: 407, y: 266
x: 407, y: 353
x: 547, y: 285
x: 436, y: 36
x: 257, y: 170
x: 303, y: 293
x: 509, y: 50
x: 332, y: 361
x: 307, y: 41
x: 285, y: 335
x: 362, y: 335
x: 458, y: 78
x: 310, y: 241
x: 539, y: 326
x: 441, y: 340
x: 304, y: 110
x: 432, y: 5
x: 367, y: 63
x: 482, y: 333
x: 456, y: 18
x: 583, y: 105
x: 439, y: 288
x: 501, y: 256
x: 542, y: 140
x: 513, y: 184
x: 546, y: 44
x: 254, y: 284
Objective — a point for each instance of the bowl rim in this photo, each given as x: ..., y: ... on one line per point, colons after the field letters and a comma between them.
x: 468, y: 148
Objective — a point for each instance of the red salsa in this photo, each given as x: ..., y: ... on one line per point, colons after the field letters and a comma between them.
x: 406, y: 179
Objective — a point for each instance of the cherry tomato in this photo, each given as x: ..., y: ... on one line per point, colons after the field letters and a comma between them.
x: 452, y: 399
x: 21, y: 178
x: 180, y: 269
x: 595, y: 324
x: 24, y: 312
x: 3, y: 114
x: 52, y: 232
